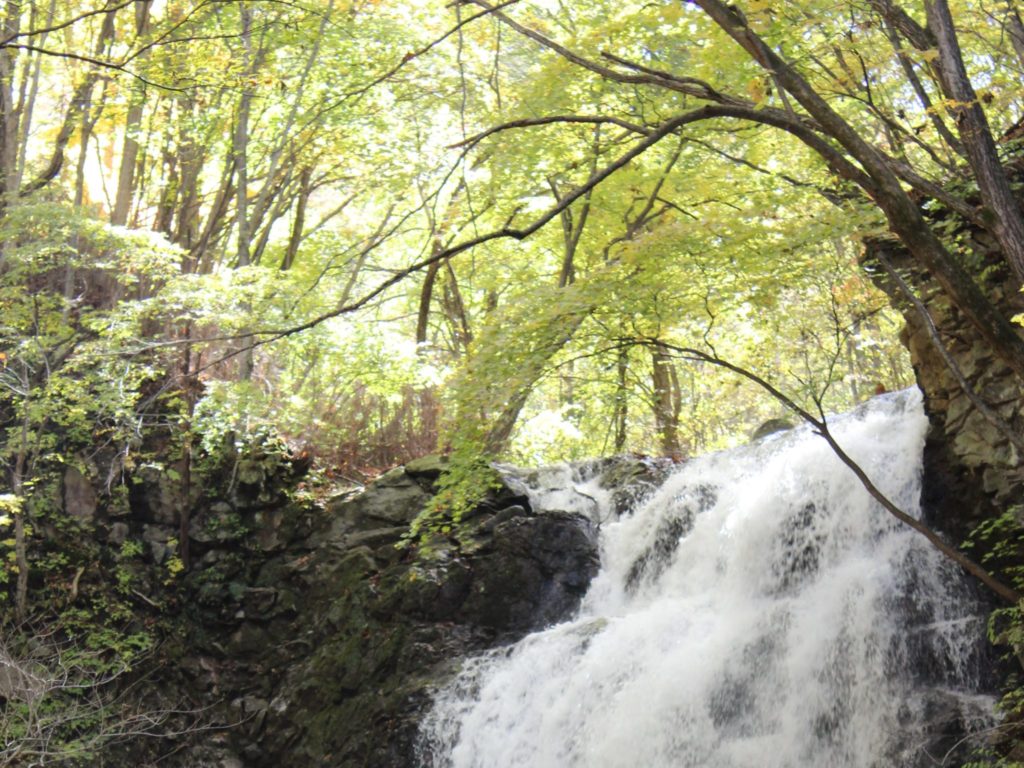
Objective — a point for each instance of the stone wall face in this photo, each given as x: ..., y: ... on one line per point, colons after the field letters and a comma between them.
x: 972, y: 469
x: 310, y: 638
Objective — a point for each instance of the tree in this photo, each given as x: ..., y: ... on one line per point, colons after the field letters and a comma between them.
x: 851, y: 153
x: 517, y: 188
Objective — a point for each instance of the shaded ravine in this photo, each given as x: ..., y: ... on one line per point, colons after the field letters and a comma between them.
x: 759, y: 609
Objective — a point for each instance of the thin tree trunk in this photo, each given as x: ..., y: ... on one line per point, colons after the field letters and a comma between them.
x: 18, y: 487
x: 126, y: 180
x: 201, y: 259
x: 621, y: 399
x: 564, y: 328
x: 80, y: 99
x: 28, y: 110
x: 572, y: 230
x: 215, y: 218
x: 1008, y: 221
x: 426, y: 294
x: 667, y: 401
x: 188, y: 385
x: 240, y: 147
x: 853, y: 368
x: 8, y: 111
x: 171, y: 182
x: 286, y: 130
x: 247, y: 361
x: 129, y: 159
x: 299, y: 222
x: 455, y: 309
x: 1015, y: 30
x: 907, y: 65
x: 280, y: 208
x: 190, y: 160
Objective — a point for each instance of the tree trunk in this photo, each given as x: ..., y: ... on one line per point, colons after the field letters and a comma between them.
x: 907, y: 65
x: 190, y: 160
x: 80, y: 100
x: 282, y: 201
x: 1007, y: 222
x: 299, y: 222
x: 133, y: 124
x: 129, y: 159
x: 28, y: 108
x: 189, y: 386
x: 240, y: 146
x: 904, y: 217
x: 215, y: 218
x: 89, y: 117
x: 285, y: 134
x: 455, y: 309
x: 667, y: 401
x: 426, y: 295
x: 18, y: 487
x: 171, y: 181
x: 8, y: 111
x: 1015, y: 30
x: 621, y: 400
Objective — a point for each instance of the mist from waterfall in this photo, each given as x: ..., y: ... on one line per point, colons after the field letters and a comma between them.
x: 758, y: 610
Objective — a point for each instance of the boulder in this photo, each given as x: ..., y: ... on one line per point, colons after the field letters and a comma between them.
x: 770, y: 427
x: 79, y: 496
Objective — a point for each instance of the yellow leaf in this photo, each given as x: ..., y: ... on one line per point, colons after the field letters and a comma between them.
x: 757, y: 90
x: 671, y: 13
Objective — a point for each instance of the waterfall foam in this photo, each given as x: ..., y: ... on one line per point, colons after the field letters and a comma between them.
x: 759, y: 609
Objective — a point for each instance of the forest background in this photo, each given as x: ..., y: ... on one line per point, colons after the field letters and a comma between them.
x: 378, y: 229
x: 361, y: 232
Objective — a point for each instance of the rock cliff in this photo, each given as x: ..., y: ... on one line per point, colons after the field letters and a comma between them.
x: 312, y: 639
x: 973, y: 471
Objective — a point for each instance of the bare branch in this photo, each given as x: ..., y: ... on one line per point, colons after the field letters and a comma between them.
x: 97, y: 62
x: 820, y: 426
x: 536, y: 121
x: 43, y: 31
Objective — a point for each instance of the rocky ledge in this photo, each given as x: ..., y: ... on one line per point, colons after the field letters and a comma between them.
x: 314, y: 639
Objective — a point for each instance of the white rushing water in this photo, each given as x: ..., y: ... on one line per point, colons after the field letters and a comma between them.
x: 759, y: 610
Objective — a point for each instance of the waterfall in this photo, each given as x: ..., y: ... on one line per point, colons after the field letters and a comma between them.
x: 758, y: 610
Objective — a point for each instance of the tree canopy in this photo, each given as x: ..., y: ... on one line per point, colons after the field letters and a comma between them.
x: 383, y: 228
x: 362, y: 231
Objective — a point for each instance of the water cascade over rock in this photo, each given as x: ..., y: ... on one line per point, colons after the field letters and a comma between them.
x: 759, y: 609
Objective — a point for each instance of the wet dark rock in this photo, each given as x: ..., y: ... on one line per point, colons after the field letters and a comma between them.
x: 395, y: 499
x: 972, y: 470
x: 514, y: 510
x: 427, y: 468
x: 799, y: 546
x: 632, y: 478
x: 655, y: 559
x: 79, y: 496
x: 770, y: 427
x: 948, y: 719
x: 154, y: 497
x: 158, y: 538
x: 118, y: 533
x: 319, y: 635
x: 671, y: 529
x: 537, y: 571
